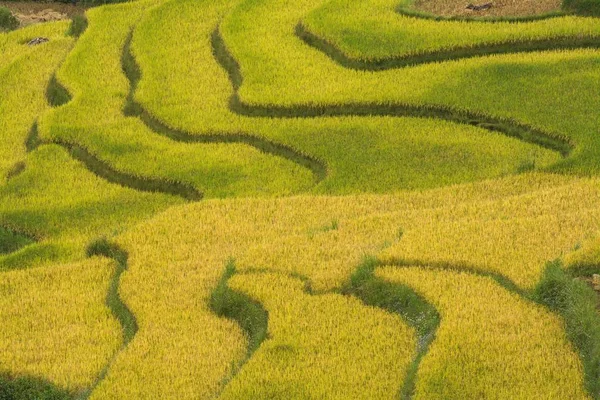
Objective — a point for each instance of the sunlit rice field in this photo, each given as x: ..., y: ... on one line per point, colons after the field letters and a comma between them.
x: 300, y: 199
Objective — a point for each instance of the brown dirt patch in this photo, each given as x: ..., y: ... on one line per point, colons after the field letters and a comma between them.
x: 33, y: 12
x: 499, y: 8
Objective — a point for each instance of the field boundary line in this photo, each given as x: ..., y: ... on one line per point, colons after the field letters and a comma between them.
x: 118, y: 308
x: 507, y: 127
x: 450, y: 54
x: 132, y: 108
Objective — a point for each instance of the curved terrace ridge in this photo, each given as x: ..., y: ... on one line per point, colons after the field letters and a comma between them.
x: 114, y: 302
x: 507, y: 127
x: 132, y: 108
x: 452, y: 54
x: 57, y: 95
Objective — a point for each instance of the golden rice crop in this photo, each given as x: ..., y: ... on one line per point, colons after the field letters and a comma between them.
x: 55, y: 324
x: 326, y: 346
x: 514, y: 237
x: 177, y: 258
x: 491, y: 343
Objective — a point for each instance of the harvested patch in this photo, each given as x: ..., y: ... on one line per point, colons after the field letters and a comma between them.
x: 496, y: 8
x: 35, y: 12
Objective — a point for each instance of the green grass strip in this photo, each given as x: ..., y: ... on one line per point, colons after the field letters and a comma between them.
x: 11, y: 241
x: 28, y: 388
x: 56, y: 94
x: 120, y: 311
x: 572, y: 299
x: 397, y: 299
x: 132, y: 108
x: 249, y: 314
x: 504, y: 126
x: 527, y: 46
x: 577, y: 303
x: 106, y: 172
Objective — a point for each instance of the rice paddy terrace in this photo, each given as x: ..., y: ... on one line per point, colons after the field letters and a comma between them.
x: 300, y: 199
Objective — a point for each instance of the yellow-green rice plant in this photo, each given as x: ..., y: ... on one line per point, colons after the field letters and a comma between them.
x: 13, y: 44
x: 183, y: 86
x: 514, y: 236
x: 374, y: 31
x: 94, y: 119
x: 177, y: 258
x: 325, y: 346
x: 64, y: 206
x: 491, y: 343
x: 552, y: 92
x: 22, y: 99
x: 586, y: 256
x: 55, y: 324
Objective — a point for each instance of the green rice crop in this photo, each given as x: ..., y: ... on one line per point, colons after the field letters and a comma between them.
x: 183, y: 86
x: 64, y: 206
x: 22, y: 99
x: 94, y: 120
x: 373, y: 30
x: 551, y: 91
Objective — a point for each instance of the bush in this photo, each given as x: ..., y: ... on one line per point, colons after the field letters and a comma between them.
x: 7, y: 20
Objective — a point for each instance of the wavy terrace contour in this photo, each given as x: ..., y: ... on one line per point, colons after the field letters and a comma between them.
x: 133, y: 73
x: 452, y: 54
x: 507, y: 127
x: 394, y: 298
x: 103, y: 170
x: 114, y: 302
x: 558, y: 290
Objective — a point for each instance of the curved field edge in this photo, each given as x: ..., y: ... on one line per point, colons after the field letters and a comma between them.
x: 133, y: 73
x: 397, y: 299
x: 558, y: 290
x: 247, y: 313
x: 119, y: 309
x: 26, y: 387
x: 11, y: 240
x: 105, y: 171
x: 451, y: 54
x: 58, y: 95
x: 507, y: 127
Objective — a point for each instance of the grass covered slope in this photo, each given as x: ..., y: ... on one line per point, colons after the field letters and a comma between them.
x: 64, y: 206
x: 374, y: 32
x: 534, y: 90
x: 380, y: 154
x: 94, y: 120
x: 196, y: 146
x: 22, y: 99
x: 169, y: 283
x: 321, y: 346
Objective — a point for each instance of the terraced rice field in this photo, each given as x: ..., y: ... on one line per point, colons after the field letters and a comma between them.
x: 300, y: 199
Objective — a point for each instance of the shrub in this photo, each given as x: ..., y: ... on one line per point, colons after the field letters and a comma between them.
x: 7, y: 20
